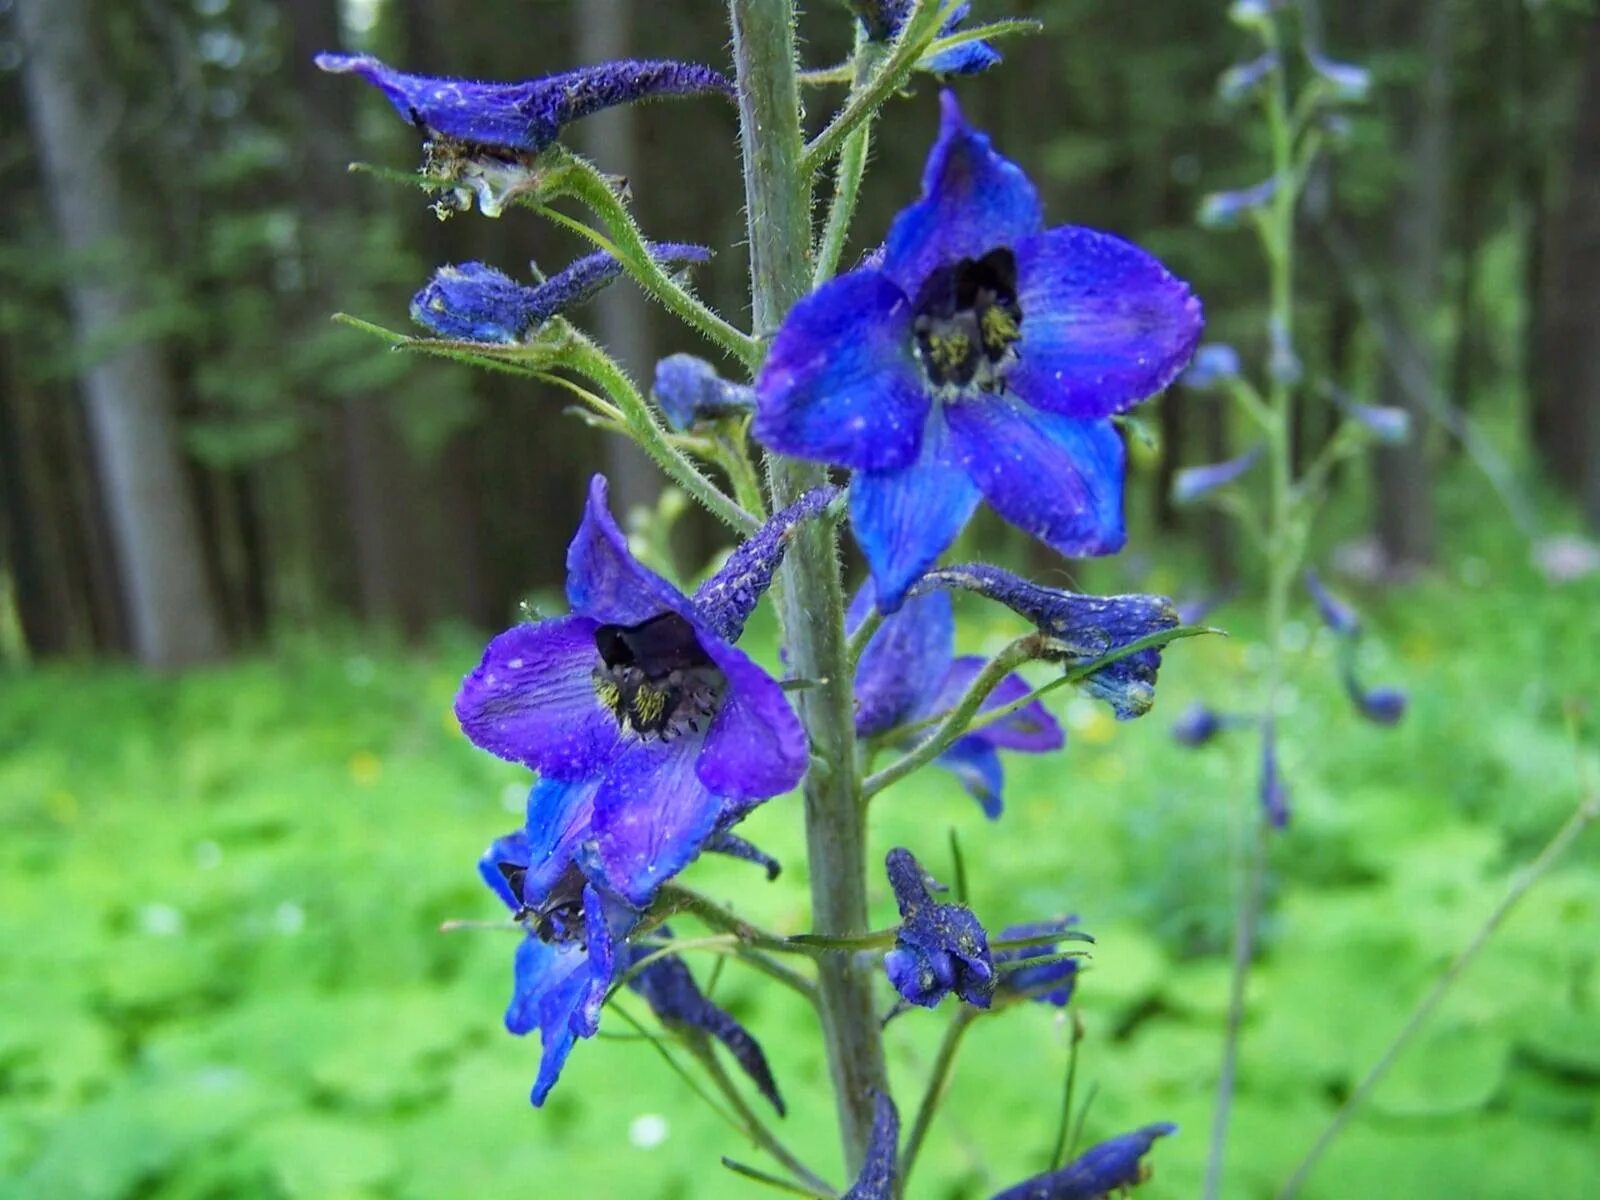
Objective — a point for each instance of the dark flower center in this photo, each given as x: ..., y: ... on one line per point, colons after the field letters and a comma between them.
x: 655, y: 678
x: 967, y: 320
x: 558, y: 918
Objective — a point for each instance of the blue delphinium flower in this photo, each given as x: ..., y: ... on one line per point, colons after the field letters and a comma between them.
x: 1099, y: 1171
x: 1080, y: 628
x: 939, y: 948
x: 689, y: 389
x: 567, y: 959
x: 1049, y: 982
x: 641, y: 689
x: 669, y: 988
x: 876, y: 1181
x: 909, y: 672
x: 984, y: 355
x: 521, y: 117
x: 1193, y: 483
x: 475, y: 302
x: 883, y: 20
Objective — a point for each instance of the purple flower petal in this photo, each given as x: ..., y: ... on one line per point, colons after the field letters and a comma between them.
x: 904, y: 520
x: 560, y: 820
x: 876, y: 1181
x: 726, y: 600
x: 904, y: 663
x: 841, y: 384
x: 1031, y: 729
x: 973, y: 201
x: 550, y: 983
x: 531, y: 699
x: 511, y: 850
x: 976, y: 764
x: 939, y: 948
x: 1098, y: 1172
x: 737, y: 847
x: 1054, y: 477
x: 604, y: 580
x: 1048, y: 983
x: 756, y: 746
x: 651, y: 815
x: 1104, y: 325
x: 689, y: 390
x: 1193, y: 483
x: 524, y: 116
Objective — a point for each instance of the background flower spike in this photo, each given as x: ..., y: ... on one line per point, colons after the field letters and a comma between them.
x: 1099, y: 1171
x: 877, y: 1178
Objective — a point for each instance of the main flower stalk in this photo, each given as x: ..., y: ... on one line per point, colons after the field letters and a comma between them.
x: 778, y: 209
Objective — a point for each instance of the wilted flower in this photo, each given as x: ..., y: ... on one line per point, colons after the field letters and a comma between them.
x: 1192, y: 483
x: 1213, y: 364
x: 939, y: 948
x: 876, y: 1181
x: 883, y: 20
x: 1099, y: 1171
x: 909, y: 672
x: 642, y: 690
x: 1274, y: 791
x: 669, y: 988
x: 1048, y: 982
x: 1224, y: 210
x: 689, y: 390
x: 984, y: 356
x: 474, y: 302
x: 1080, y: 629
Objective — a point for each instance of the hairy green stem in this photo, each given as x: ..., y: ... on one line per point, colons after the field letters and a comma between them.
x: 1283, y: 552
x: 778, y: 211
x: 852, y: 166
x: 1587, y: 812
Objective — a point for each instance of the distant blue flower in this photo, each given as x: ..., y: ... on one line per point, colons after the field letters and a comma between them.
x: 669, y: 988
x: 1048, y: 983
x: 567, y: 961
x: 876, y: 1181
x: 1099, y: 1171
x: 642, y: 690
x: 521, y: 117
x: 1241, y: 79
x: 1080, y: 628
x: 1274, y: 791
x: 477, y: 303
x: 1283, y: 363
x: 909, y: 672
x: 1347, y: 81
x: 939, y: 948
x: 1213, y: 364
x: 1380, y: 705
x: 1253, y: 14
x: 883, y: 20
x: 1198, y: 725
x: 1193, y: 483
x: 1224, y: 210
x: 689, y: 390
x: 983, y: 356
x: 1390, y: 426
x: 1336, y: 614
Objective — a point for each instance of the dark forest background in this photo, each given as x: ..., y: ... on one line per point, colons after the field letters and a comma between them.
x: 179, y: 419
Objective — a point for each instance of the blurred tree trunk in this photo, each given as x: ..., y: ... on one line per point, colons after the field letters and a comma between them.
x: 1567, y: 374
x: 1405, y: 519
x: 603, y: 30
x: 127, y: 386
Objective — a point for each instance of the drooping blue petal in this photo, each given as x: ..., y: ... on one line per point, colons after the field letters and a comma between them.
x: 737, y: 847
x: 756, y: 746
x: 1192, y: 483
x: 532, y: 701
x: 976, y: 764
x: 669, y: 988
x: 689, y: 390
x: 527, y: 116
x: 877, y: 1178
x: 905, y: 519
x: 1048, y: 983
x: 1213, y: 364
x: 1031, y: 729
x: 1104, y: 325
x: 1336, y: 614
x: 511, y: 850
x: 550, y: 984
x: 1054, y: 477
x: 652, y: 814
x: 1096, y: 1173
x: 841, y: 384
x: 939, y: 948
x: 973, y: 201
x: 1083, y: 628
x: 905, y: 663
x: 560, y: 820
x: 725, y: 601
x: 604, y: 580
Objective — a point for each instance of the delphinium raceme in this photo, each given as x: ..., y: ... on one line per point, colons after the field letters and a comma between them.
x: 1298, y: 93
x: 980, y: 354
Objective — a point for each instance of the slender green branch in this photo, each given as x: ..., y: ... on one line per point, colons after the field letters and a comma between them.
x: 1587, y: 812
x: 938, y: 1085
x: 754, y: 1127
x: 870, y: 624
x: 851, y: 167
x: 775, y: 1181
x: 1058, y: 1152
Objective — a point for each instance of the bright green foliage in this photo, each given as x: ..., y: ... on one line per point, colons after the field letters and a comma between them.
x: 221, y: 976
